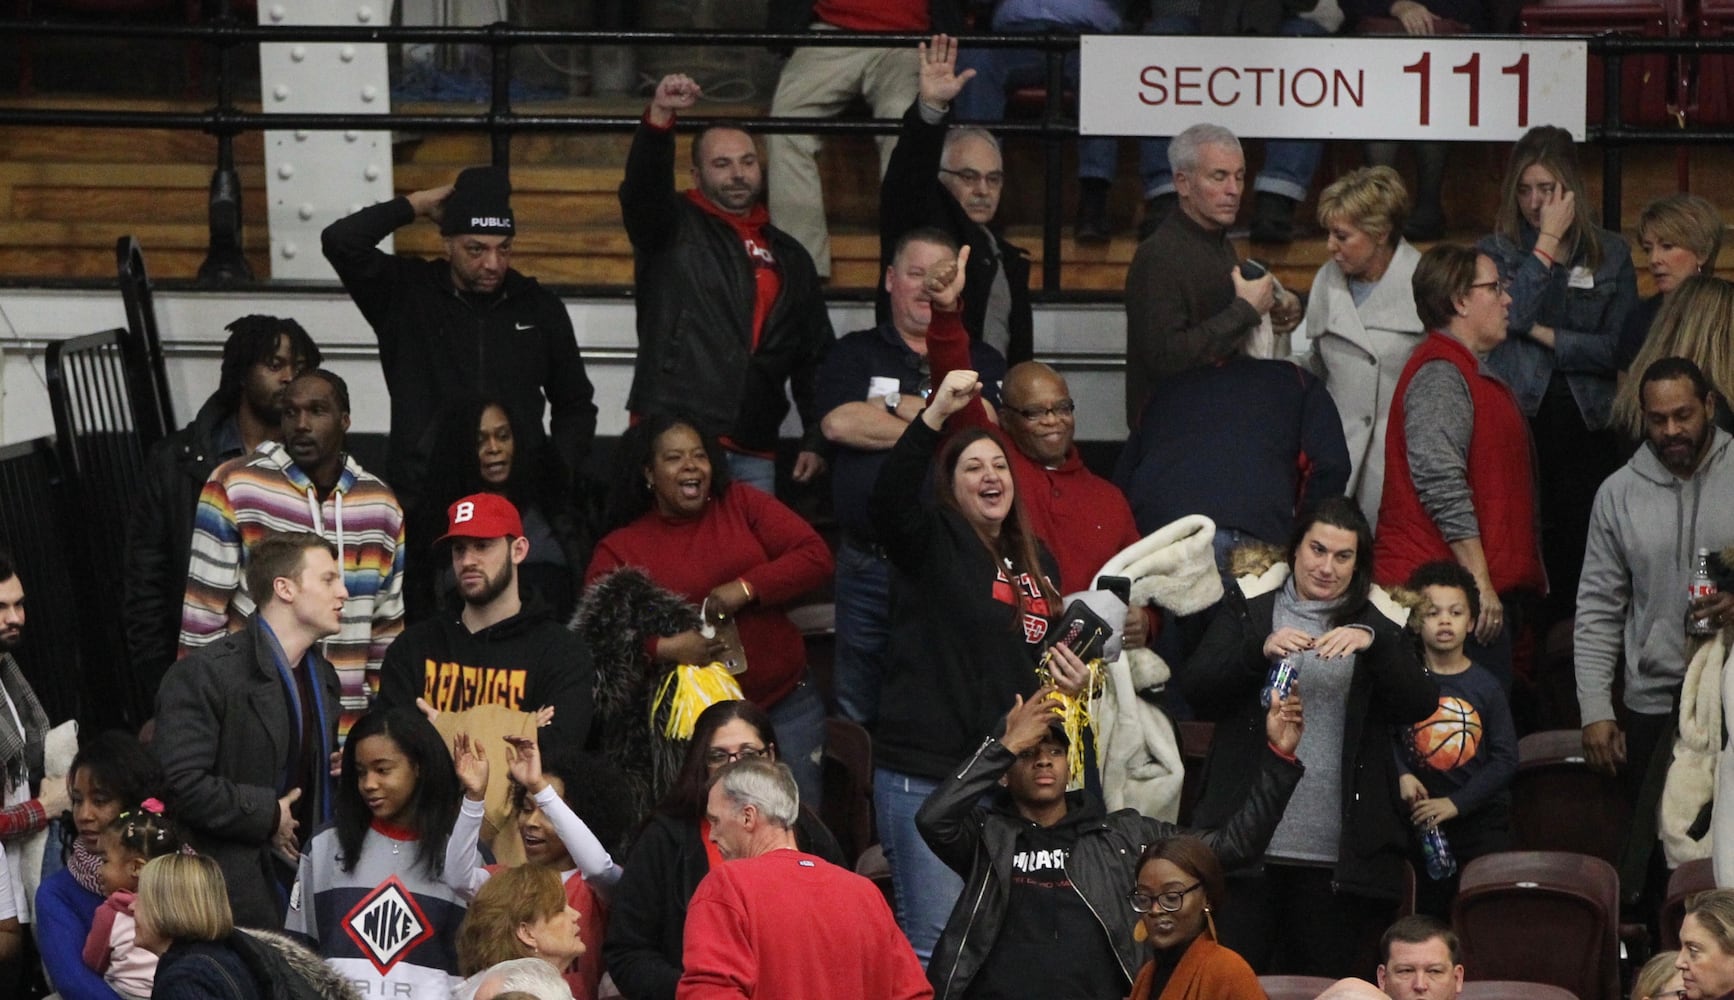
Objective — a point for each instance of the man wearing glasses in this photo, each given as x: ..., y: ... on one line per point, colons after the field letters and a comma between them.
x: 1418, y: 960
x: 1045, y: 865
x: 951, y: 179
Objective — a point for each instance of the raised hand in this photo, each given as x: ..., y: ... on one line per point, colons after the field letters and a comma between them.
x: 1028, y: 721
x: 524, y: 763
x: 1283, y: 721
x: 960, y: 386
x: 944, y: 284
x: 471, y: 761
x: 675, y: 93
x: 940, y: 82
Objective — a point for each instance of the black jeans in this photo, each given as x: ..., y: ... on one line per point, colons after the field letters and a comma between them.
x: 1287, y: 921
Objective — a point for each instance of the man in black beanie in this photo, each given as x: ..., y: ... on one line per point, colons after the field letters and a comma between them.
x: 463, y: 327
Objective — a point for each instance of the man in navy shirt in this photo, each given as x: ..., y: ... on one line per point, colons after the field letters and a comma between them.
x: 873, y: 383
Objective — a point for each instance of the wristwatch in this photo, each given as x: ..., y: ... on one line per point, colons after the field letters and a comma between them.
x: 892, y: 398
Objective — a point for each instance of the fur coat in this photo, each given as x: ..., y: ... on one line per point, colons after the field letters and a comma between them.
x: 617, y: 617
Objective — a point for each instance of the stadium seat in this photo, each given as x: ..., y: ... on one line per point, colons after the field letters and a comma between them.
x: 871, y: 865
x: 1294, y: 987
x: 1712, y: 93
x: 1541, y: 917
x: 1505, y: 989
x: 1687, y: 880
x: 847, y: 771
x: 1559, y: 804
x: 1195, y: 739
x: 1650, y: 83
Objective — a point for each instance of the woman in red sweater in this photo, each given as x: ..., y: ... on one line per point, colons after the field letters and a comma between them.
x: 676, y: 517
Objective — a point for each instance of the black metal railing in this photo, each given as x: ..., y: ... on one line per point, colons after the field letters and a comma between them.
x: 1055, y: 127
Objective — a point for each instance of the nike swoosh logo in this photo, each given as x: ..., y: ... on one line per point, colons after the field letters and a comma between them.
x: 525, y: 326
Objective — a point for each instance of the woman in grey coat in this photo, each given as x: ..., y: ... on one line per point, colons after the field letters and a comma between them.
x: 1361, y: 315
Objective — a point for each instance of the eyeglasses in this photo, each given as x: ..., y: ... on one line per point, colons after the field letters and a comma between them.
x: 971, y: 178
x: 1501, y: 286
x: 1167, y: 902
x: 717, y: 756
x: 1061, y: 408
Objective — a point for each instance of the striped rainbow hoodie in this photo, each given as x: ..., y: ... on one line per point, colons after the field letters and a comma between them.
x: 266, y: 491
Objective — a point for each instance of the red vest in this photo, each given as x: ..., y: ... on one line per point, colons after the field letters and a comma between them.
x: 1501, y: 482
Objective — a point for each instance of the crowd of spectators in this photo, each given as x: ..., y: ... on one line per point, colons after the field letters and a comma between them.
x: 460, y: 739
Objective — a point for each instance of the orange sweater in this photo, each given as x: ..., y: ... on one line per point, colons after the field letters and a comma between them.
x: 1207, y: 971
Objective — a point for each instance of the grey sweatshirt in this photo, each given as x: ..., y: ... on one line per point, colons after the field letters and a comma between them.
x: 1645, y: 530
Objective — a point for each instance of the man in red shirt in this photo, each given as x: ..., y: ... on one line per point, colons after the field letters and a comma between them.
x: 819, y: 82
x: 774, y: 923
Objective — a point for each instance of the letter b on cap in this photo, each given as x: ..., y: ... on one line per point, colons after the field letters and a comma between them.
x: 464, y: 512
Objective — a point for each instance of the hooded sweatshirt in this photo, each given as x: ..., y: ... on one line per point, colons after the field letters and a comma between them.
x: 523, y: 663
x: 254, y: 495
x: 1645, y: 530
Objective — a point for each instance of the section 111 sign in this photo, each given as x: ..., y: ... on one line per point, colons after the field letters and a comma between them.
x: 1457, y: 88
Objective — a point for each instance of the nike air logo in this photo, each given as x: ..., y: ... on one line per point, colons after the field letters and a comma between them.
x: 524, y: 326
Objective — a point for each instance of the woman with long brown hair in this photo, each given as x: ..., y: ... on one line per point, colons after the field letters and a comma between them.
x: 1696, y: 323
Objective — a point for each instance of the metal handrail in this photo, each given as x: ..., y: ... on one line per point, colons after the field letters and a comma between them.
x: 1055, y: 126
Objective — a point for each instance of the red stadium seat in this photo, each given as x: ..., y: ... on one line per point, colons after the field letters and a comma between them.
x: 1505, y: 989
x: 1713, y: 85
x: 1687, y: 881
x: 1541, y: 917
x: 847, y: 770
x: 1559, y: 804
x: 1649, y: 90
x: 1294, y: 987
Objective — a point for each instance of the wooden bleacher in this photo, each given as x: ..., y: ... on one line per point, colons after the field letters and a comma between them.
x: 66, y: 194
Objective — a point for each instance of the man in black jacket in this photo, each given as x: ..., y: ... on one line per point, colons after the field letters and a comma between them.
x: 465, y: 326
x: 729, y: 308
x: 1045, y: 864
x: 951, y: 179
x: 246, y: 727
x: 499, y: 650
x: 261, y: 357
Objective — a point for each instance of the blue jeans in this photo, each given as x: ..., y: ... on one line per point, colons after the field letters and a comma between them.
x: 752, y: 470
x: 926, y: 889
x: 800, y: 722
x: 1288, y: 164
x: 863, y: 612
x: 1000, y: 71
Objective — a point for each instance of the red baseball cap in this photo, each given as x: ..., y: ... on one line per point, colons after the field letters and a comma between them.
x: 482, y: 515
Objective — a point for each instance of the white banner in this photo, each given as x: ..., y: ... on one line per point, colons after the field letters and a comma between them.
x: 1461, y: 88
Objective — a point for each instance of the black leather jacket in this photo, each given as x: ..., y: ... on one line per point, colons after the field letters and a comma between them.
x: 977, y: 842
x: 695, y: 297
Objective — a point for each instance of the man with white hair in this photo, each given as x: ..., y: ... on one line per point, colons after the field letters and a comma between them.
x: 774, y: 922
x: 531, y: 977
x: 1187, y: 302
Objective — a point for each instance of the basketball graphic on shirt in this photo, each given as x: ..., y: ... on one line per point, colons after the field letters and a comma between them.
x: 1449, y: 737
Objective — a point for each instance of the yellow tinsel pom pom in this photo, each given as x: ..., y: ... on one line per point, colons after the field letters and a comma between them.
x: 687, y: 691
x: 1074, y: 713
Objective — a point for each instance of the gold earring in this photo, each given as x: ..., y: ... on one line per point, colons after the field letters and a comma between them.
x: 1210, y: 922
x: 1140, y: 933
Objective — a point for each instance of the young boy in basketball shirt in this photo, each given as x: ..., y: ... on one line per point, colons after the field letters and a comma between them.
x: 1455, y: 767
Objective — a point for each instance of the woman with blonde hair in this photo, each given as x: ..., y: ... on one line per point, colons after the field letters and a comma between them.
x: 1658, y: 979
x: 520, y: 913
x: 1696, y: 323
x: 1361, y: 314
x: 183, y: 915
x: 1572, y: 287
x: 1681, y: 236
x: 1706, y: 958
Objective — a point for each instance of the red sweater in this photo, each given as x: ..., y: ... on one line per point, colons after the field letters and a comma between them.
x: 1084, y: 519
x: 1501, y: 481
x: 743, y: 534
x: 873, y: 15
x: 790, y: 926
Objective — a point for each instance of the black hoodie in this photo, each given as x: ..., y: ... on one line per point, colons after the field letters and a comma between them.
x: 523, y: 663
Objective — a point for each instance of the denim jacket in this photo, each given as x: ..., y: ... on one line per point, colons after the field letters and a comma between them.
x: 1586, y: 323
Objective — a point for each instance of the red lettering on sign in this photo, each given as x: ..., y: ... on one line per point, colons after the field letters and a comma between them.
x: 1156, y: 79
x: 1309, y: 73
x: 1182, y: 83
x: 1217, y: 99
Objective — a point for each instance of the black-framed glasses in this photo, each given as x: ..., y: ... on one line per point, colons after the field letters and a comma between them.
x: 1501, y: 285
x: 717, y: 756
x: 1167, y: 902
x: 970, y: 178
x: 1062, y: 408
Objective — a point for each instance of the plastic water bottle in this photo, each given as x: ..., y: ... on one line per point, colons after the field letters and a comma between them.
x: 1703, y: 585
x: 1441, y: 863
x: 1283, y: 674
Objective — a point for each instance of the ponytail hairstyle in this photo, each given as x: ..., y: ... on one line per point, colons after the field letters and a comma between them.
x: 147, y: 833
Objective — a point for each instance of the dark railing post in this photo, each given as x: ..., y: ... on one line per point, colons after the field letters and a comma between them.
x: 1613, y: 153
x: 500, y: 62
x: 224, y: 262
x: 1053, y: 162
